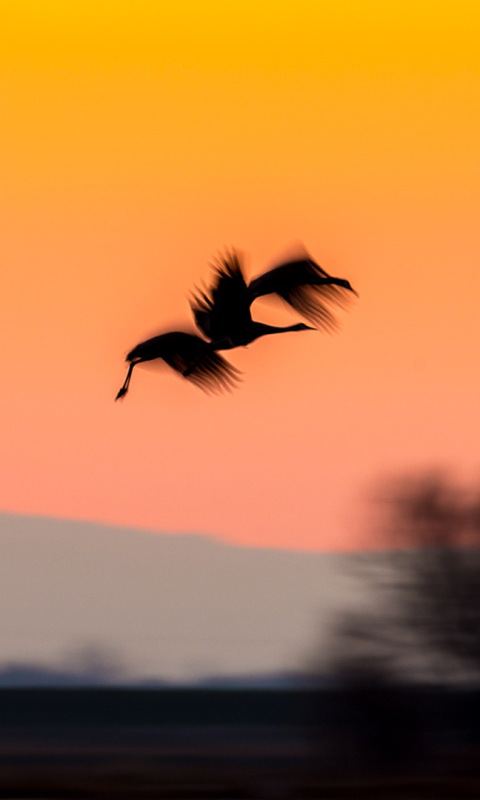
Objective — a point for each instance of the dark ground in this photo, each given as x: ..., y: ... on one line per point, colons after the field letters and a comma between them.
x: 364, y: 743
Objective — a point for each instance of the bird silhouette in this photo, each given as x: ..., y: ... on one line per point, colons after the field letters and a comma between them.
x: 222, y: 311
x: 306, y: 287
x: 193, y: 357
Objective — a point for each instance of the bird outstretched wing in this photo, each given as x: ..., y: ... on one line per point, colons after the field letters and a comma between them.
x: 193, y: 357
x: 199, y: 364
x: 307, y: 288
x: 312, y: 301
x: 222, y: 310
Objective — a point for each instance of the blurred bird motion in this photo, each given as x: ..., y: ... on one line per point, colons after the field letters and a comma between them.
x: 222, y: 313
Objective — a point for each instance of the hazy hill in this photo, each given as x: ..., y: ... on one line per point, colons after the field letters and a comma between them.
x: 88, y: 598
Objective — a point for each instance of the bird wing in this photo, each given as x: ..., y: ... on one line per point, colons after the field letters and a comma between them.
x: 199, y: 364
x: 284, y: 276
x: 300, y: 283
x: 223, y: 309
x: 312, y: 302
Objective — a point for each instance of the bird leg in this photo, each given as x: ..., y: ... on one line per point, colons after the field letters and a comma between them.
x: 123, y: 391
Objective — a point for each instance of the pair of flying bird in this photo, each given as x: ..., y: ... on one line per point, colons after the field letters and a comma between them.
x: 222, y: 313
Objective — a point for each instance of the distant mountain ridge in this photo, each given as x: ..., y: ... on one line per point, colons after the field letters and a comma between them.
x: 80, y: 598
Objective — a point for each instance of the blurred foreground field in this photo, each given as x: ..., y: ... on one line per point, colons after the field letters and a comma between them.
x: 365, y: 741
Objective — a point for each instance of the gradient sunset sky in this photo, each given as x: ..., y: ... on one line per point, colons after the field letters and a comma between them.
x: 139, y: 138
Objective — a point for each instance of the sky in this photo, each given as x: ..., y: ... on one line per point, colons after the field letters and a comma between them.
x: 140, y: 138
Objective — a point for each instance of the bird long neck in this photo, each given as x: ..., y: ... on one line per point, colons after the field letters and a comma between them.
x: 261, y: 329
x: 254, y: 331
x: 321, y: 280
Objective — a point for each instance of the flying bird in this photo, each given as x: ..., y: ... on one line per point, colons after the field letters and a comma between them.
x: 306, y: 287
x: 222, y: 311
x: 193, y: 357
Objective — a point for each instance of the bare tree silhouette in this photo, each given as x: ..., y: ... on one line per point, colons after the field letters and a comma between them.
x: 426, y: 617
x: 438, y: 569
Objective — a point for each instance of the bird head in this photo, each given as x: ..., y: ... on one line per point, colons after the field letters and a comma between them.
x: 346, y: 285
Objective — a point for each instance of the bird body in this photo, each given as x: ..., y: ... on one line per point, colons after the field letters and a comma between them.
x: 193, y: 357
x: 306, y: 287
x: 222, y: 311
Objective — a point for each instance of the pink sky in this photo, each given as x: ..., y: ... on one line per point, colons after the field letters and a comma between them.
x: 126, y: 165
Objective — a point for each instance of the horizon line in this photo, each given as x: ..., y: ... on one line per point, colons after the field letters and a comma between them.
x: 214, y: 537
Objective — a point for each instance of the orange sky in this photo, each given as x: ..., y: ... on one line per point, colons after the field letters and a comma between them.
x: 137, y: 139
